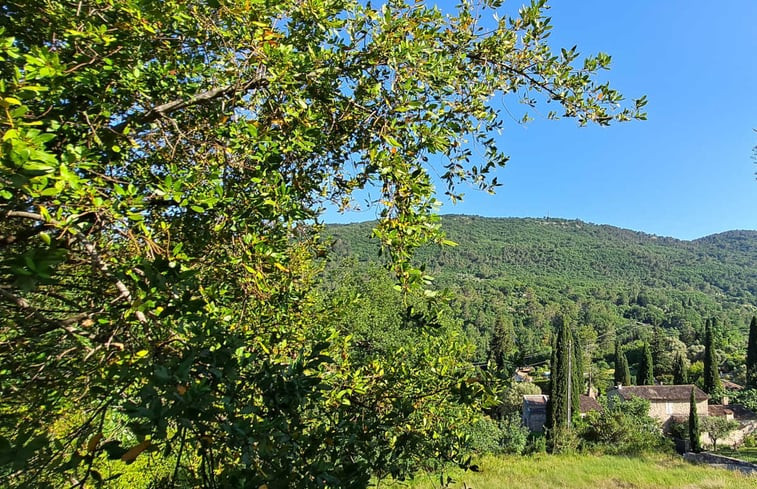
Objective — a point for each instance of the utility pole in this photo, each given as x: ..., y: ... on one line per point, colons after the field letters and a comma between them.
x: 570, y: 380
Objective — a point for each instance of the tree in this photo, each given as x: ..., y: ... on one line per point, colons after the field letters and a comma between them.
x: 680, y: 370
x: 712, y: 383
x: 696, y: 445
x: 162, y: 167
x: 566, y: 384
x: 561, y: 378
x: 564, y: 400
x: 618, y: 372
x: 501, y: 344
x: 645, y: 374
x: 751, y: 355
x: 717, y: 428
x: 657, y: 347
x: 622, y: 371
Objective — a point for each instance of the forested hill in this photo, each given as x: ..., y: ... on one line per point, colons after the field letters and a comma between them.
x: 723, y: 264
x: 526, y: 267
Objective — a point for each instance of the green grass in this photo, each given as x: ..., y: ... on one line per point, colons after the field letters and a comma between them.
x: 588, y: 471
x: 746, y: 454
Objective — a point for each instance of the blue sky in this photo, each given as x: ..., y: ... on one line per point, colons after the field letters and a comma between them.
x: 685, y: 172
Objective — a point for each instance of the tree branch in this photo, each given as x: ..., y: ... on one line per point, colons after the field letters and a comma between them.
x: 94, y: 255
x: 203, y: 98
x: 24, y: 305
x: 7, y: 240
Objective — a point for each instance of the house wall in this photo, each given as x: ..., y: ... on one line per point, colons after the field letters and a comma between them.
x: 663, y: 410
x: 534, y: 419
x: 735, y: 438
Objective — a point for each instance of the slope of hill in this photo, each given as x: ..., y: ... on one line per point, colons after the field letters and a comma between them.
x: 518, y: 272
x: 722, y: 265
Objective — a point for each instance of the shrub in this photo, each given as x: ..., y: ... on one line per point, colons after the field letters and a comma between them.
x: 563, y: 440
x: 747, y: 398
x: 483, y: 436
x: 537, y: 443
x: 623, y: 428
x: 750, y: 441
x: 514, y: 435
x: 495, y: 437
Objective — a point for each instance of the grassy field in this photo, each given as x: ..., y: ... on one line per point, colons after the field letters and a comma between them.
x: 587, y: 471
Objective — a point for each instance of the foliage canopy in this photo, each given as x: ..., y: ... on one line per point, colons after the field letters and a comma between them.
x: 162, y: 168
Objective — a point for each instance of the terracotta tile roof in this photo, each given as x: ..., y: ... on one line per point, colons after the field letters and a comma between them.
x: 540, y: 401
x: 536, y: 399
x: 719, y: 410
x: 732, y: 385
x: 742, y: 413
x: 661, y: 392
x: 589, y: 404
x: 679, y: 418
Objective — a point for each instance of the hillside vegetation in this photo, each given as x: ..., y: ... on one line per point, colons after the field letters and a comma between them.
x: 510, y: 276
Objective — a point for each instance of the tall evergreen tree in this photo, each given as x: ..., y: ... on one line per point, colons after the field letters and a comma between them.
x: 618, y: 377
x: 696, y: 445
x: 626, y: 369
x: 680, y: 372
x: 751, y: 355
x: 657, y: 346
x: 645, y: 374
x: 711, y: 375
x: 500, y: 344
x: 561, y: 378
x: 622, y: 372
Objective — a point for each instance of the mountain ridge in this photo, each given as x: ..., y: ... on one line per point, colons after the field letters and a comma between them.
x: 750, y: 233
x: 528, y: 269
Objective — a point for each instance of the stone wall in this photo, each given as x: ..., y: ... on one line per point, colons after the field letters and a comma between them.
x: 721, y: 461
x: 735, y: 438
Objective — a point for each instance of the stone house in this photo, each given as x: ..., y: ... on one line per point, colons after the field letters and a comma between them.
x: 534, y: 414
x: 665, y: 401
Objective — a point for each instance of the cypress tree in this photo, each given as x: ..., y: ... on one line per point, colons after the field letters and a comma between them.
x: 751, y: 356
x: 711, y: 374
x: 622, y: 372
x: 561, y: 378
x: 626, y: 369
x: 696, y: 445
x: 645, y: 374
x: 680, y: 373
x: 657, y: 346
x: 618, y: 377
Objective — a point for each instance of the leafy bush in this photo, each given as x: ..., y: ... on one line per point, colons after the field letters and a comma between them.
x: 563, y: 440
x: 623, y: 427
x: 537, y: 443
x: 514, y: 435
x: 495, y: 437
x: 484, y: 436
x: 747, y: 398
x: 750, y: 441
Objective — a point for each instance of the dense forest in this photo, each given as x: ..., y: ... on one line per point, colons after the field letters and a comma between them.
x: 510, y: 276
